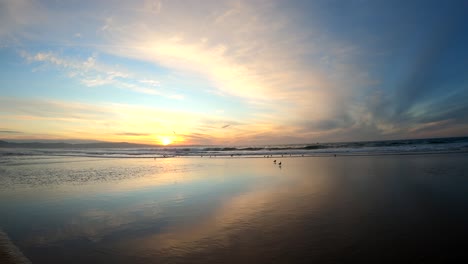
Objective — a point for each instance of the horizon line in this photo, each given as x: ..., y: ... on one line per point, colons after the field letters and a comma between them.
x: 91, y: 142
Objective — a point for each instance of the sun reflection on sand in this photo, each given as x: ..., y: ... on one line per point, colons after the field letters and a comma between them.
x: 235, y: 209
x: 265, y: 202
x: 175, y: 206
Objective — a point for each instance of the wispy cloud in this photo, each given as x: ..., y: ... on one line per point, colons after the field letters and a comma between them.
x: 10, y: 132
x: 132, y: 134
x: 93, y: 73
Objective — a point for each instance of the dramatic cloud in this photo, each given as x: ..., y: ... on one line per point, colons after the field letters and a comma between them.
x: 289, y: 72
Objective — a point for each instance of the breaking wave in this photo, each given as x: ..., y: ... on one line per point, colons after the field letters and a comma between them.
x: 410, y: 146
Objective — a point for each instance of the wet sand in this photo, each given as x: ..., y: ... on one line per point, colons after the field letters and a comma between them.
x: 384, y: 209
x: 9, y: 253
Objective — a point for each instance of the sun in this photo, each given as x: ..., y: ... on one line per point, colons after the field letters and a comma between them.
x: 166, y: 141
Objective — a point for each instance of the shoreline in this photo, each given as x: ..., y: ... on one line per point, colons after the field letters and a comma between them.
x: 259, y: 156
x: 9, y: 252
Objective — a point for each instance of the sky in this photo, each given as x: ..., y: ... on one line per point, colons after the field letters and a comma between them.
x: 232, y: 72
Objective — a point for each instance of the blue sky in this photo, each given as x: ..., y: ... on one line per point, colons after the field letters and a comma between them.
x: 233, y: 72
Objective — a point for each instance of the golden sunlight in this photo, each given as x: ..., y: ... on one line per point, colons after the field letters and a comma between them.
x: 166, y: 141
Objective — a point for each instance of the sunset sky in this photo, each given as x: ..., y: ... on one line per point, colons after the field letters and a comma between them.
x: 232, y: 72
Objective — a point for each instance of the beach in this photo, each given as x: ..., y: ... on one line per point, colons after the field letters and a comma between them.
x: 365, y: 208
x: 233, y: 131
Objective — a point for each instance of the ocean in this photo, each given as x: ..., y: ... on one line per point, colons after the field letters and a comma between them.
x: 408, y: 146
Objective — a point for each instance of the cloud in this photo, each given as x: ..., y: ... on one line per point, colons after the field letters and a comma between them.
x: 422, y: 80
x: 17, y: 17
x: 106, y: 121
x: 250, y: 50
x: 93, y: 73
x: 132, y: 134
x: 245, y: 49
x: 43, y: 118
x: 150, y: 82
x: 295, y: 72
x: 10, y: 132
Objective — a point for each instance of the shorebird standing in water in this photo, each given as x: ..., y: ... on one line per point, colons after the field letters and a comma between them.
x: 279, y: 163
x: 274, y: 161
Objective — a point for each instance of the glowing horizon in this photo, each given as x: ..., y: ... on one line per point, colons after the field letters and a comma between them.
x: 232, y: 72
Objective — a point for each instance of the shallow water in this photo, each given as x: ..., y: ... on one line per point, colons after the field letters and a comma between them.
x: 410, y: 208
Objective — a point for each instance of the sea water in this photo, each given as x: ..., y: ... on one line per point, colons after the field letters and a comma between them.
x: 408, y: 146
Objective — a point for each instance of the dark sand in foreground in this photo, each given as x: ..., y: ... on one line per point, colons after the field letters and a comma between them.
x: 9, y: 253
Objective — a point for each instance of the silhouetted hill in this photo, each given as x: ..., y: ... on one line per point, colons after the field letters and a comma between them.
x: 5, y: 144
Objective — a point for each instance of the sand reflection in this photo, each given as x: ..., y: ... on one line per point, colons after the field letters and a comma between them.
x: 237, y: 210
x: 261, y: 208
x: 180, y: 207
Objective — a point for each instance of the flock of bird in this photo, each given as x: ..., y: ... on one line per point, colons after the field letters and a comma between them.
x: 279, y: 163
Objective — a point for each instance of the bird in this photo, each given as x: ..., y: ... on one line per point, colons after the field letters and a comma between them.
x: 274, y: 161
x: 279, y: 163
